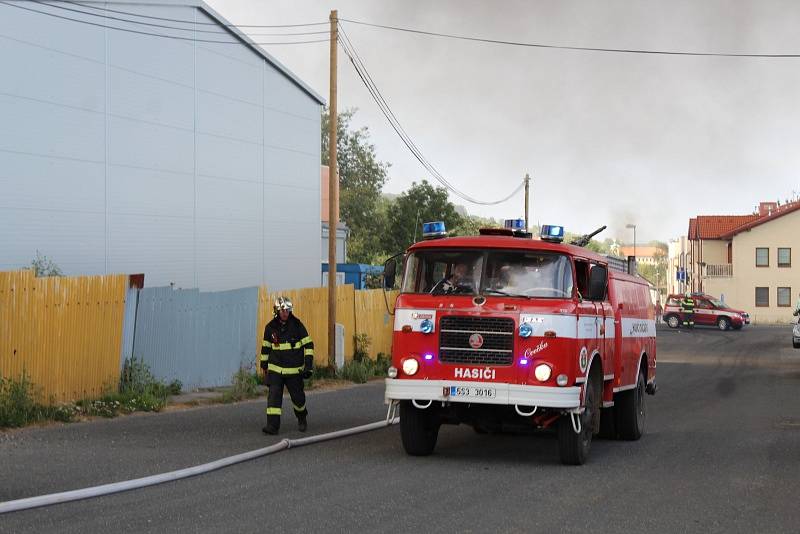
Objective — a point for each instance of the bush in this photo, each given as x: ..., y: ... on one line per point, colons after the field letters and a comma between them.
x: 175, y: 387
x: 356, y: 371
x: 361, y: 343
x: 19, y: 404
x: 44, y: 266
x: 245, y: 385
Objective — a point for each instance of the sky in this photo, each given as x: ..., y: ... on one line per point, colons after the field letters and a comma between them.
x: 608, y: 138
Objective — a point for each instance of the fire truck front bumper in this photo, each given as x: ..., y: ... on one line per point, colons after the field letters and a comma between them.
x: 482, y: 393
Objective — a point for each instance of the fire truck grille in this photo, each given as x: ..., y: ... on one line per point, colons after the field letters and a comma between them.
x: 497, y: 334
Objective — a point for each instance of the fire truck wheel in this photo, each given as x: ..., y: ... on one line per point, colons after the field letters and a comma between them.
x: 673, y: 321
x: 632, y: 411
x: 419, y: 429
x: 723, y: 323
x: 608, y: 427
x: 574, y: 447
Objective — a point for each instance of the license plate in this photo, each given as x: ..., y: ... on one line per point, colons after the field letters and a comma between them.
x: 471, y: 392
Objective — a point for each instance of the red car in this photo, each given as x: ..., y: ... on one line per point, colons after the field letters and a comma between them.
x: 708, y: 311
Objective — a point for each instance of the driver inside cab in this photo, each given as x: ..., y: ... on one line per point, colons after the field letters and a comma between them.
x: 459, y: 281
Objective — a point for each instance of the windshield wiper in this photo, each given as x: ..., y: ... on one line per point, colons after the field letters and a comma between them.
x: 498, y: 292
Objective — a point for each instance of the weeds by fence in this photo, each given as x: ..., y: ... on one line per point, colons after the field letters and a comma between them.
x: 245, y: 386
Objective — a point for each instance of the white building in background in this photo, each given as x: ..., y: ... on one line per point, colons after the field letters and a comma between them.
x: 195, y: 163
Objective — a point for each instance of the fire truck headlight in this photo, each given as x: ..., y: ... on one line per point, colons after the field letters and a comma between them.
x: 542, y: 372
x: 562, y: 380
x: 525, y: 330
x: 392, y: 372
x: 410, y: 366
x: 426, y: 326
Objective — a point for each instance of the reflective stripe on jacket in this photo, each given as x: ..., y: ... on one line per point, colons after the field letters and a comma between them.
x: 287, y: 348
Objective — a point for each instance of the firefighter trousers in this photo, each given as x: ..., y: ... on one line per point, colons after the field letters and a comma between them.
x: 688, y: 319
x: 294, y: 383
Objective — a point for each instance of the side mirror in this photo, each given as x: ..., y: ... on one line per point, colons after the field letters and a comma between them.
x: 389, y: 273
x: 597, y: 283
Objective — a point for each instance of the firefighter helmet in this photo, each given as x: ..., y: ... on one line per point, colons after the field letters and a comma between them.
x: 282, y: 303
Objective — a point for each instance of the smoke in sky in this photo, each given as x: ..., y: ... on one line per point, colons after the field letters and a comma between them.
x: 612, y: 139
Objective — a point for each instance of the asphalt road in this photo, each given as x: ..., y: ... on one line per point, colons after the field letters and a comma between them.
x: 721, y: 453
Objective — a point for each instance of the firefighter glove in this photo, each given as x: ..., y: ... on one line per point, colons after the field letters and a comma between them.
x: 264, y: 365
x: 307, y: 373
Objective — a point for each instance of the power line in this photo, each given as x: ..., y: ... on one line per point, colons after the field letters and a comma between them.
x: 563, y: 47
x: 174, y: 37
x: 390, y: 116
x: 363, y: 73
x: 193, y: 22
x: 106, y: 16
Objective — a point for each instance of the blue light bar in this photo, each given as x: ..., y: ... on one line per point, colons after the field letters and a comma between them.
x: 433, y: 229
x: 515, y: 224
x: 552, y: 233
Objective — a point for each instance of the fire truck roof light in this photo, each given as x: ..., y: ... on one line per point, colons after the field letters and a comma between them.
x: 552, y: 233
x: 515, y: 224
x: 432, y: 230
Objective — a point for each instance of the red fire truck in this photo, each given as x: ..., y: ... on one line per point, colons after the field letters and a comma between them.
x: 505, y: 332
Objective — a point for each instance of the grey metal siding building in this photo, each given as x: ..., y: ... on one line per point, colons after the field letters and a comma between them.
x: 195, y: 163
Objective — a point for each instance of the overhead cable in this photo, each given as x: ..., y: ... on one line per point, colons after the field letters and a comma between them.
x: 365, y: 77
x: 174, y: 37
x: 564, y: 47
x: 193, y: 22
x: 106, y: 16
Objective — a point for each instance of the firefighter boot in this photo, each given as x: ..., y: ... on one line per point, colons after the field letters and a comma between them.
x: 269, y: 429
x: 302, y: 422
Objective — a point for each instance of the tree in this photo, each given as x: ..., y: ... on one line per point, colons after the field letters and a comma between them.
x: 361, y: 179
x: 421, y: 203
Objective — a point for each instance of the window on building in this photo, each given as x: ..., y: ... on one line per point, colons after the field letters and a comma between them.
x: 762, y: 257
x: 762, y: 297
x: 784, y: 257
x: 785, y: 296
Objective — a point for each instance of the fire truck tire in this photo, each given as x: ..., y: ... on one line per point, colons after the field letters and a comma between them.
x: 673, y: 321
x: 723, y: 323
x: 608, y: 426
x: 574, y: 448
x: 631, y: 411
x: 419, y: 429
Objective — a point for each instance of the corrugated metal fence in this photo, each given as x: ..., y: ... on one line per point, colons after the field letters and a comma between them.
x: 201, y: 339
x: 65, y: 333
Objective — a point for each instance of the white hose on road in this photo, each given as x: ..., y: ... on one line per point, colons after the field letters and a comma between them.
x: 116, y: 487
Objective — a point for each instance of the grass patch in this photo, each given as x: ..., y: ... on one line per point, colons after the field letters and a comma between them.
x: 20, y: 406
x: 137, y: 391
x: 363, y: 369
x: 245, y: 386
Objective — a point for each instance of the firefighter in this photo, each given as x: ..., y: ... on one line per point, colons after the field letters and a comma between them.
x: 687, y: 309
x: 287, y: 357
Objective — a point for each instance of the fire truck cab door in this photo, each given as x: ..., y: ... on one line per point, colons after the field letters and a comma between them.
x: 590, y: 313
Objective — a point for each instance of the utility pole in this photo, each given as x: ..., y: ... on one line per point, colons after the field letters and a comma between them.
x: 333, y: 189
x: 527, y: 189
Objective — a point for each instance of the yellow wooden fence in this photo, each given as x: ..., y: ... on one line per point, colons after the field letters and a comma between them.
x: 360, y: 312
x: 65, y: 333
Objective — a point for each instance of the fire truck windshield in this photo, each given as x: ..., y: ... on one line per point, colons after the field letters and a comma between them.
x: 524, y: 274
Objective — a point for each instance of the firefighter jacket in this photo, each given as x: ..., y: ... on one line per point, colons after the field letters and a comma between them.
x: 287, y: 348
x: 687, y: 304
